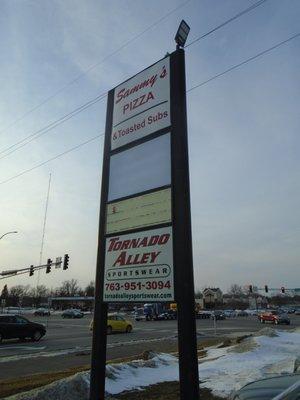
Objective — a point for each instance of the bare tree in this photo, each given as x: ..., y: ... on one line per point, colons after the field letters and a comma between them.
x: 69, y: 288
x: 38, y: 294
x: 236, y: 290
x: 90, y: 289
x: 17, y: 293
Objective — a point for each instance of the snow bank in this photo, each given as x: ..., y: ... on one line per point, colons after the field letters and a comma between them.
x: 254, y: 358
x: 222, y: 370
x: 73, y: 388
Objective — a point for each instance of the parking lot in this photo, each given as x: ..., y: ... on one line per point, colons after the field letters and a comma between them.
x: 68, y: 342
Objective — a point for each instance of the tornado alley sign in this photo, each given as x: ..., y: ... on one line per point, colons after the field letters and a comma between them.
x: 141, y: 105
x: 139, y: 266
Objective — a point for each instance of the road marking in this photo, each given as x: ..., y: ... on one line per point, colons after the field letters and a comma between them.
x: 21, y: 347
x: 78, y: 349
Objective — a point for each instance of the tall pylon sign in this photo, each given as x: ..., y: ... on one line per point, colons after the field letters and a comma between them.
x: 145, y: 241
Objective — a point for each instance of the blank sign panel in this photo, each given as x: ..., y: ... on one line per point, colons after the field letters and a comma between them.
x: 143, y: 167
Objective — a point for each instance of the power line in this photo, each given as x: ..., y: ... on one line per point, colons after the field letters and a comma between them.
x: 64, y: 118
x: 238, y: 15
x: 189, y: 90
x: 41, y: 132
x: 52, y: 158
x: 245, y: 61
x: 91, y: 67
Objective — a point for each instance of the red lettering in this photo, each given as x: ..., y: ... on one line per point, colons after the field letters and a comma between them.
x: 121, y: 259
x: 112, y: 242
x: 145, y: 258
x: 123, y: 93
x: 164, y: 238
x: 154, y: 256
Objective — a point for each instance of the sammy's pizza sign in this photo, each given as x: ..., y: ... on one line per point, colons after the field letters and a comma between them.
x: 139, y: 266
x: 138, y: 232
x: 141, y: 105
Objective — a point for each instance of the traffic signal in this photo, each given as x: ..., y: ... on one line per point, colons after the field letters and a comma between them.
x: 48, y: 268
x: 283, y: 289
x: 250, y: 288
x: 66, y: 261
x: 31, y: 271
x: 266, y: 288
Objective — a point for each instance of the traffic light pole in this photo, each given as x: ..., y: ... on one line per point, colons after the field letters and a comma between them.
x: 32, y: 268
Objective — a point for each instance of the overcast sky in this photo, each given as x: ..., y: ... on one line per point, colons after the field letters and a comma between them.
x: 243, y: 130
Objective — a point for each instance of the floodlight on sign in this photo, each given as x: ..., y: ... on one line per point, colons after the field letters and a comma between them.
x: 182, y: 34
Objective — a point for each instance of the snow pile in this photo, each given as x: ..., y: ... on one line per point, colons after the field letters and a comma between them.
x: 73, y: 388
x: 137, y: 374
x: 223, y: 369
x: 254, y: 358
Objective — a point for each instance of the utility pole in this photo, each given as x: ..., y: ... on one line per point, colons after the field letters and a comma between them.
x: 44, y: 229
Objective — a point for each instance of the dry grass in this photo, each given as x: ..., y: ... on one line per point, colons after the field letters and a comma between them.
x: 24, y: 384
x: 162, y: 391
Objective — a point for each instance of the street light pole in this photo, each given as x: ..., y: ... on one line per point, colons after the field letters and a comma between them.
x: 7, y: 233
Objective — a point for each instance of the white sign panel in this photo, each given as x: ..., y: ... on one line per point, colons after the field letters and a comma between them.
x: 142, y: 105
x: 140, y: 168
x: 139, y: 267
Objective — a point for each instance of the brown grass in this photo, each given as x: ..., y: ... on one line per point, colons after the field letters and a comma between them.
x: 162, y: 391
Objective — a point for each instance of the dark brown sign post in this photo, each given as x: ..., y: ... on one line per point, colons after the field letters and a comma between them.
x: 145, y: 240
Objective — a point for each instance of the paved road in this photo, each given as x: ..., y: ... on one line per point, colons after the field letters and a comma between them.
x: 68, y: 342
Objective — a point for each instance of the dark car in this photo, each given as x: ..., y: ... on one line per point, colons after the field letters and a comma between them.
x: 218, y: 315
x: 15, y: 326
x: 242, y: 313
x: 172, y: 314
x: 203, y: 314
x: 168, y: 315
x: 42, y: 312
x: 161, y: 317
x: 72, y: 314
x: 269, y: 388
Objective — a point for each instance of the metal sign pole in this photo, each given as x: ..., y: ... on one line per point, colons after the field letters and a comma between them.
x: 98, y: 365
x: 183, y: 256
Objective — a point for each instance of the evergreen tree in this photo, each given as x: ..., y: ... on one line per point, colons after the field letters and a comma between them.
x: 4, y: 293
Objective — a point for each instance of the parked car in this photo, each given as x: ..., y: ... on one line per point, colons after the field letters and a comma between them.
x: 283, y: 387
x: 274, y: 317
x: 172, y: 314
x: 19, y: 327
x: 203, y: 314
x: 229, y: 313
x: 241, y: 313
x: 218, y: 315
x: 42, y: 312
x: 161, y: 317
x: 287, y: 310
x: 251, y: 312
x: 72, y: 314
x: 116, y: 323
x: 139, y: 315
